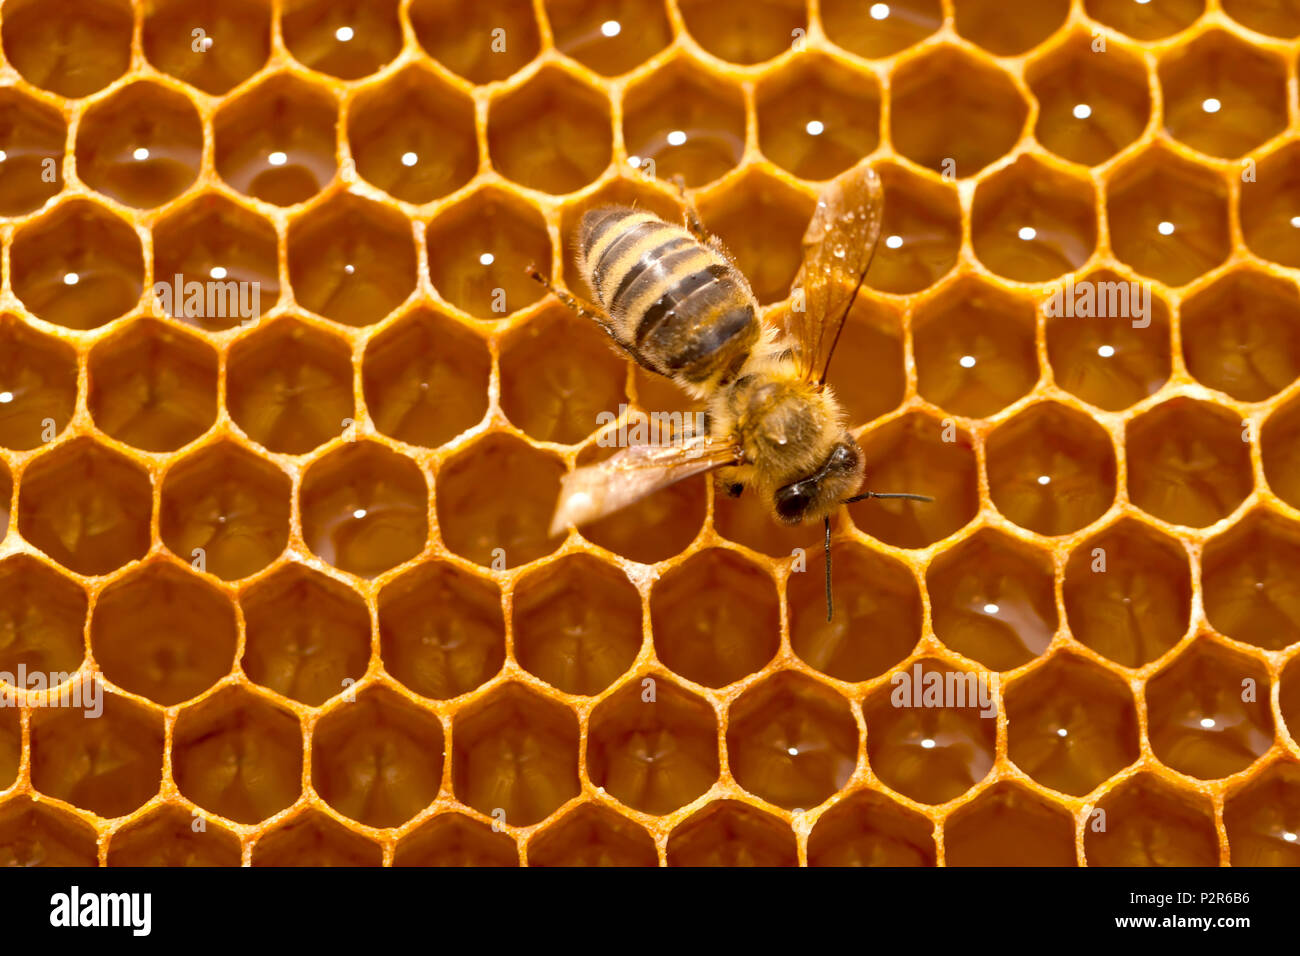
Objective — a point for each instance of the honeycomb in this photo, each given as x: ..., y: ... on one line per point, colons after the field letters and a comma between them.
x: 297, y: 537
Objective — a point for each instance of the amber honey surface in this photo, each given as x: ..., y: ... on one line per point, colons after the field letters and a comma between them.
x: 297, y: 532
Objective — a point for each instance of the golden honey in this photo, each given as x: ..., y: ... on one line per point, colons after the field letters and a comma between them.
x: 301, y: 536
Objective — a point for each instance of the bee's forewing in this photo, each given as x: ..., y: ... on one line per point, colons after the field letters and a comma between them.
x: 594, y: 491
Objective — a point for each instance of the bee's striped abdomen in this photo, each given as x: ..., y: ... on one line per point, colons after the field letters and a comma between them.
x: 678, y: 306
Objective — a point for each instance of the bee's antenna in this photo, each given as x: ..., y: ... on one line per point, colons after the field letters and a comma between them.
x: 830, y: 607
x: 891, y: 494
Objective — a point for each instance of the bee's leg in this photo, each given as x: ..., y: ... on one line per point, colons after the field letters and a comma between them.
x: 585, y: 309
x: 830, y: 606
x: 693, y: 221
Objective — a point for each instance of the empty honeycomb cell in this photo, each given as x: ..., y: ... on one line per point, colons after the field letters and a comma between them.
x: 441, y: 630
x: 745, y: 31
x: 364, y: 509
x: 35, y: 834
x: 1147, y: 822
x: 1032, y: 223
x: 352, y: 260
x: 609, y: 36
x: 413, y: 136
x: 107, y: 759
x: 1279, y: 18
x: 6, y: 497
x: 868, y: 829
x: 163, y: 633
x: 877, y: 618
x: 553, y: 133
x: 1248, y: 577
x: 1208, y: 712
x: 491, y: 525
x: 228, y: 251
x: 306, y: 636
x: 453, y: 839
x: 655, y: 528
x: 592, y: 835
x: 1051, y: 469
x: 225, y: 511
x: 1263, y: 817
x: 748, y: 520
x: 38, y: 385
x: 1128, y: 593
x: 1242, y: 335
x: 1152, y: 20
x: 515, y: 756
x: 276, y: 142
x: 1071, y: 725
x: 715, y: 618
x: 479, y: 252
x: 559, y: 375
x: 233, y: 42
x: 1090, y: 106
x: 731, y: 833
x: 929, y: 735
x: 483, y: 42
x: 153, y: 386
x: 238, y: 756
x: 377, y: 760
x: 86, y: 507
x: 792, y: 741
x: 992, y: 600
x: 289, y: 386
x: 344, y: 38
x: 917, y: 454
x: 653, y: 746
x: 141, y: 146
x: 1007, y: 825
x: 1009, y: 29
x: 683, y: 121
x: 168, y: 836
x: 32, y: 137
x: 1188, y: 462
x: 1222, y: 95
x: 313, y: 839
x: 78, y: 266
x: 1108, y: 340
x: 1280, y: 450
x: 1168, y: 217
x: 761, y: 222
x: 868, y: 373
x: 1270, y: 207
x: 921, y: 232
x: 577, y: 624
x: 953, y: 112
x: 817, y: 117
x: 42, y: 618
x: 426, y: 378
x: 974, y: 348
x: 69, y: 47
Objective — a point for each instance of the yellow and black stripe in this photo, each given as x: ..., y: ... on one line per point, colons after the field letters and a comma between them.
x: 679, y: 307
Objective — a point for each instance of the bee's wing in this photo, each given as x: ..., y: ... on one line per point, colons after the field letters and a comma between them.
x: 629, y: 475
x: 837, y: 249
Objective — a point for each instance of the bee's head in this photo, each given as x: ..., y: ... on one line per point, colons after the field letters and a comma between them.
x: 820, y: 493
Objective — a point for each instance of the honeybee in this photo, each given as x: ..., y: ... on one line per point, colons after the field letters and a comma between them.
x: 671, y: 297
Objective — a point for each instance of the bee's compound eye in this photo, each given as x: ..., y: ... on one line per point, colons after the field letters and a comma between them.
x: 844, y: 456
x: 794, y: 499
